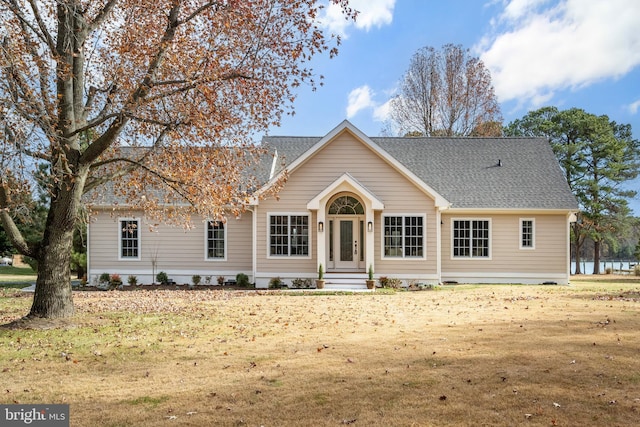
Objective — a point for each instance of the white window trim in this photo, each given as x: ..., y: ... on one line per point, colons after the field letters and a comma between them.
x: 533, y: 234
x: 424, y: 236
x: 119, y: 225
x: 289, y: 214
x: 206, y: 242
x: 471, y: 257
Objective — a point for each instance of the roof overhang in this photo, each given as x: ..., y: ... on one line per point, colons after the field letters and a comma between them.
x: 519, y: 211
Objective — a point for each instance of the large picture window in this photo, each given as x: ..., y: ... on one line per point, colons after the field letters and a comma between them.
x: 471, y: 238
x: 527, y: 233
x: 129, y: 238
x: 215, y: 240
x: 289, y: 235
x: 404, y: 236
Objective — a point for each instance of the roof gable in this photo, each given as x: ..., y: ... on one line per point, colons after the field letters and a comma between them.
x: 297, y: 151
x: 459, y: 173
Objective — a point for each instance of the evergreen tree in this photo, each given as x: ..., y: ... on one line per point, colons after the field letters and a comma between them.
x: 598, y: 157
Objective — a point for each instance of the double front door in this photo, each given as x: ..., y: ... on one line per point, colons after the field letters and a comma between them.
x: 346, y: 243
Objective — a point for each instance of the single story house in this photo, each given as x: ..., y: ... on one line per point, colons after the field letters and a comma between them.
x: 429, y: 210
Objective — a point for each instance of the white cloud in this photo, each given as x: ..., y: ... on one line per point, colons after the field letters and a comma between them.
x: 359, y: 99
x: 363, y: 98
x: 381, y: 113
x: 541, y: 46
x: 371, y: 13
x: 634, y: 107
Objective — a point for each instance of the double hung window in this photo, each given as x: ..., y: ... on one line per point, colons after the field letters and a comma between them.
x: 129, y: 239
x: 471, y: 238
x: 289, y: 235
x: 404, y: 236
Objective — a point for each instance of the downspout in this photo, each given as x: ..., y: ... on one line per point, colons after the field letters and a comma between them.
x: 571, y: 218
x: 88, y: 252
x: 439, y: 245
x: 254, y: 244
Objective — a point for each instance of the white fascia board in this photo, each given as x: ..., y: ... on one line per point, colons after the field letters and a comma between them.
x: 504, y: 211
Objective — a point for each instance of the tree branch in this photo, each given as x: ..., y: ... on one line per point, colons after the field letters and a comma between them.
x: 10, y: 227
x: 102, y: 15
x: 45, y: 35
x: 106, y: 139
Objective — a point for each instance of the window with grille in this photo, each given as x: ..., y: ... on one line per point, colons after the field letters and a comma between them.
x: 471, y: 238
x: 527, y: 234
x: 215, y: 240
x: 404, y: 236
x: 289, y: 235
x: 129, y: 238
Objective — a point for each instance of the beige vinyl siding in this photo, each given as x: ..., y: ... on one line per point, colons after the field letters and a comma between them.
x: 178, y: 251
x: 549, y: 256
x: 346, y: 154
x: 284, y: 264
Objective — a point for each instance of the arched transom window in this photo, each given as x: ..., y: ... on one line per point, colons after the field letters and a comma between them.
x: 346, y: 205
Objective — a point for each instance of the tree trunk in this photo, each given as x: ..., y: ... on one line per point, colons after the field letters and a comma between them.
x: 596, y: 257
x: 53, y: 297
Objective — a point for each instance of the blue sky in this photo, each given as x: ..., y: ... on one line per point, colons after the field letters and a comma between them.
x: 565, y: 53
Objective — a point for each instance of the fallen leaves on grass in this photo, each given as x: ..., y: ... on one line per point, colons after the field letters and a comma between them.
x: 149, y: 301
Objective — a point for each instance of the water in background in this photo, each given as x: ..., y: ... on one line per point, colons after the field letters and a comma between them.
x: 617, y: 266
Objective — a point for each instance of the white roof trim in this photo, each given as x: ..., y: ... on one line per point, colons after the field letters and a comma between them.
x: 356, y: 187
x: 439, y: 201
x: 273, y: 164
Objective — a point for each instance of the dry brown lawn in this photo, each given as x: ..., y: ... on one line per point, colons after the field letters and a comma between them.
x: 462, y: 355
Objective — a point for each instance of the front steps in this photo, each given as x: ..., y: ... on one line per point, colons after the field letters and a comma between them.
x: 346, y: 282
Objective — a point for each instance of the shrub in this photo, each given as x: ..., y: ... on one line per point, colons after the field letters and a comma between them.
x: 115, y: 281
x: 207, y: 280
x: 132, y: 280
x: 220, y: 280
x: 608, y: 270
x: 104, y: 278
x: 387, y: 282
x: 275, y: 283
x: 301, y: 283
x: 395, y: 283
x: 242, y: 280
x: 195, y: 279
x: 162, y: 278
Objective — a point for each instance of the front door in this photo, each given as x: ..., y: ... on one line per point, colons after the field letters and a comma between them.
x: 347, y: 246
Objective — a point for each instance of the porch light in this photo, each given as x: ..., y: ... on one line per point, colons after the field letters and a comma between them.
x: 370, y: 226
x: 321, y: 226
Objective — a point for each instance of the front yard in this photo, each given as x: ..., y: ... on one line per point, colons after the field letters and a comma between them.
x: 460, y: 355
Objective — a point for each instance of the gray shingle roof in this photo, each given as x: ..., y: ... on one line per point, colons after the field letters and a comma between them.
x: 465, y: 171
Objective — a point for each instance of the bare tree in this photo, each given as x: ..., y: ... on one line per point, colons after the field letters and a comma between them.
x: 446, y: 93
x: 184, y: 84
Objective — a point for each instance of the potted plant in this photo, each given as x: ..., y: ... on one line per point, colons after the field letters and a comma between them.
x: 320, y: 279
x: 370, y: 282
